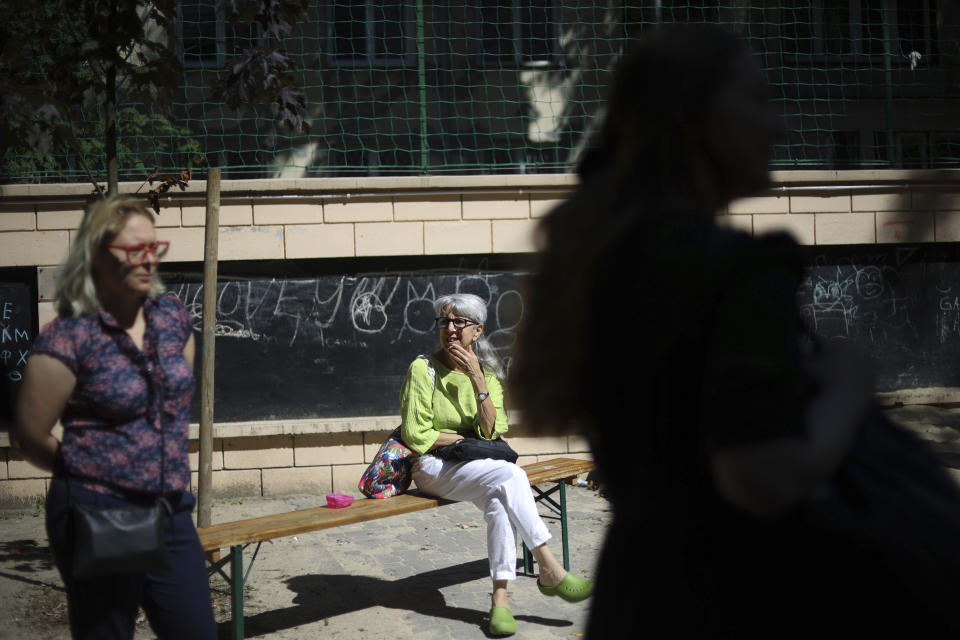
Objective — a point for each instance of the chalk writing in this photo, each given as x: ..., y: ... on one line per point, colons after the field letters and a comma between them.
x: 393, y: 307
x: 15, y: 333
x: 335, y: 345
x: 948, y: 318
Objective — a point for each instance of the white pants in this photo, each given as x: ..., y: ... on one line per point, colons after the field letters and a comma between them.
x: 498, y: 488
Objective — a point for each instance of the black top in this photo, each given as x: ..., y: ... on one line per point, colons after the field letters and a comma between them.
x: 709, y: 351
x: 704, y: 353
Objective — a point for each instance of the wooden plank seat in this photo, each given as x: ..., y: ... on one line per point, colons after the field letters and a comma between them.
x: 243, y: 532
x: 239, y: 534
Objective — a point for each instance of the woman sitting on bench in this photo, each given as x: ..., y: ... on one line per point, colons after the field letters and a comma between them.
x: 467, y: 401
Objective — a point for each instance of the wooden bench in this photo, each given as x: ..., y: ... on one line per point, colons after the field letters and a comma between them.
x: 239, y: 534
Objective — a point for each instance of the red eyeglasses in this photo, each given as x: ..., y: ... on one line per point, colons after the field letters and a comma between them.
x: 137, y: 253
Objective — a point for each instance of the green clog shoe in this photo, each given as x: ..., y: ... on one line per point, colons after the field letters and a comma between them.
x: 502, y: 622
x: 572, y: 588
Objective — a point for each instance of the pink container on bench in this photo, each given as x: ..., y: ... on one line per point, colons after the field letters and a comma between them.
x: 338, y: 500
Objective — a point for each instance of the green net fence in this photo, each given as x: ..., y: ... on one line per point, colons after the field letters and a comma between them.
x: 400, y: 87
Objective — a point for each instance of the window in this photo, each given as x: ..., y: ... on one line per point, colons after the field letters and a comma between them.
x: 372, y: 32
x: 916, y: 28
x: 688, y: 11
x: 207, y: 38
x: 945, y: 149
x: 347, y: 162
x: 855, y: 28
x: 911, y: 151
x: 918, y: 149
x: 516, y: 33
x: 371, y: 155
x: 524, y: 160
x: 845, y: 146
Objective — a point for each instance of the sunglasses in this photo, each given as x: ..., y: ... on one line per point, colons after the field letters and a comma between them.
x: 137, y: 253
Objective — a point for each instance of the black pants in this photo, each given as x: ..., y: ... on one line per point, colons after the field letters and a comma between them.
x: 177, y: 602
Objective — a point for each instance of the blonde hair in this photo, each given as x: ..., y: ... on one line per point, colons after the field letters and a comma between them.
x: 102, y: 221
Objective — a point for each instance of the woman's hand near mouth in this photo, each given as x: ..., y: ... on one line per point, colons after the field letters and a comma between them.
x: 466, y: 360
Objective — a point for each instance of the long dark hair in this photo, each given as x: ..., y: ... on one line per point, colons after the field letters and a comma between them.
x: 644, y: 156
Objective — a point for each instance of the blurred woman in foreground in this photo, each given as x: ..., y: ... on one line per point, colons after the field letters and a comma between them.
x: 676, y: 347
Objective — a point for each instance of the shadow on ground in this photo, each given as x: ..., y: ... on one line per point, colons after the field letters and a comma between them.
x: 326, y: 596
x: 26, y: 557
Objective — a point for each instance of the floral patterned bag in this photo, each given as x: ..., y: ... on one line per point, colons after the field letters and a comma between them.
x: 389, y: 473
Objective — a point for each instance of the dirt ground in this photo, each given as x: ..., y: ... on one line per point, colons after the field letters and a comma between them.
x: 339, y: 582
x: 32, y: 600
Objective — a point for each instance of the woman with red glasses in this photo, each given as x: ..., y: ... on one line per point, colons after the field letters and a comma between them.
x: 116, y: 369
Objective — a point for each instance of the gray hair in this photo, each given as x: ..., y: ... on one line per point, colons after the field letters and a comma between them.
x: 76, y: 291
x: 474, y: 308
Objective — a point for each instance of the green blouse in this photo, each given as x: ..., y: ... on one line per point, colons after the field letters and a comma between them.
x: 452, y: 408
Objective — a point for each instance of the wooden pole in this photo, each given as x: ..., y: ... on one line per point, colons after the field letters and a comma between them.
x: 205, y: 480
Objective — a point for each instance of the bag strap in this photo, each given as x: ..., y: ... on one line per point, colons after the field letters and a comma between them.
x: 433, y: 386
x: 159, y: 380
x: 431, y: 371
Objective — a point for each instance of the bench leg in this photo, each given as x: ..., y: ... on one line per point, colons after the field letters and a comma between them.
x: 561, y: 510
x: 236, y: 590
x: 563, y: 525
x: 237, y: 581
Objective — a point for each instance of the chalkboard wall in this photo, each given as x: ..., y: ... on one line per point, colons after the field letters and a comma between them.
x: 900, y: 304
x: 333, y: 338
x: 18, y: 325
x: 338, y: 344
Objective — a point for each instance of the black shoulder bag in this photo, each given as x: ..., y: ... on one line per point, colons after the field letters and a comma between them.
x: 129, y: 539
x: 476, y: 449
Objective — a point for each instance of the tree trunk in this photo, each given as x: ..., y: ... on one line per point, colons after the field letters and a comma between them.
x: 205, y: 476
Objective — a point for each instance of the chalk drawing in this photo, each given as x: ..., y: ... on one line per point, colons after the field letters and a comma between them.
x: 852, y: 298
x: 399, y: 307
x: 508, y: 312
x: 475, y: 284
x: 418, y: 310
x: 368, y: 305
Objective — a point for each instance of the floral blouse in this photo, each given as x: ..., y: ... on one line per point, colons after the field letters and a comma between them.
x: 113, y: 422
